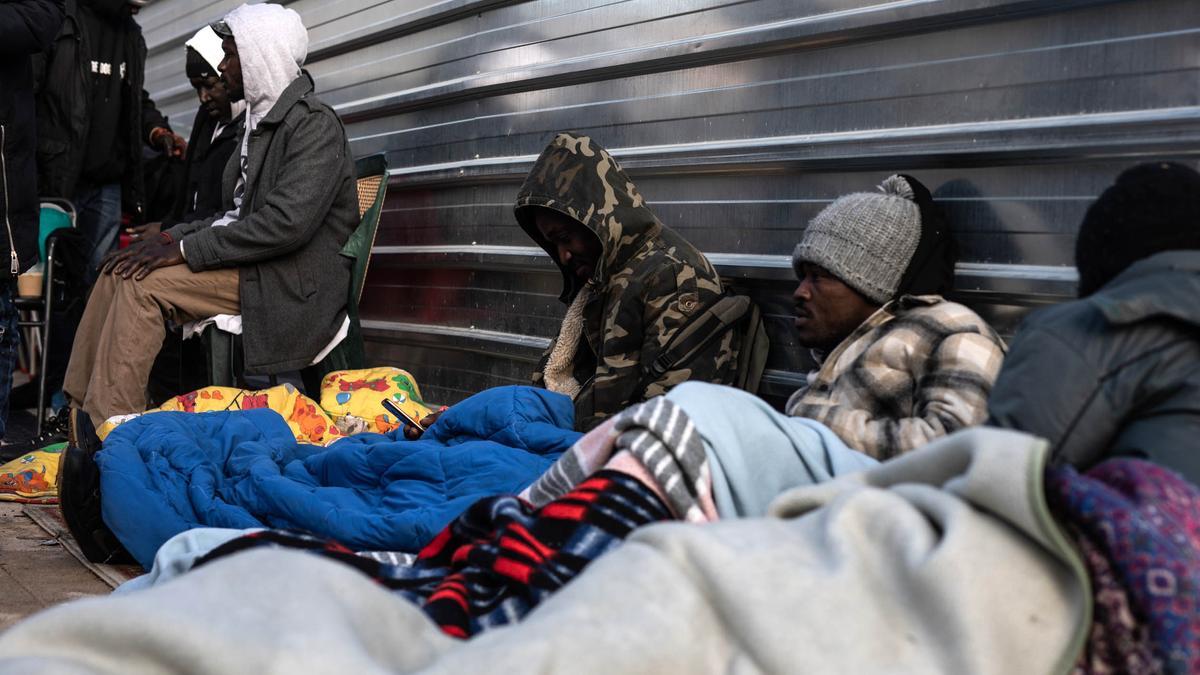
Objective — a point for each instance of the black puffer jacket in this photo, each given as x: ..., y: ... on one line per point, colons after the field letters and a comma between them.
x: 63, y: 100
x: 1116, y: 373
x: 27, y: 27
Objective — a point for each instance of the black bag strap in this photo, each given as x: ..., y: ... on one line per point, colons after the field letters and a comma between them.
x: 753, y: 352
x: 699, y: 333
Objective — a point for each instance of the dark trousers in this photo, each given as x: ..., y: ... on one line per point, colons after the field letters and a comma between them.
x: 10, y: 340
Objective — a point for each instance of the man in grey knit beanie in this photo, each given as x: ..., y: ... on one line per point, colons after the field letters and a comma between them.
x: 898, y: 364
x: 865, y: 239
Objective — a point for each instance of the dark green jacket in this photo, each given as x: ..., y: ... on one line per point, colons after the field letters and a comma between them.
x: 649, y: 282
x: 1116, y: 374
x: 300, y: 206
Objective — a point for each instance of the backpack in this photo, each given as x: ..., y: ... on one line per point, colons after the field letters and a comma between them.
x: 725, y: 314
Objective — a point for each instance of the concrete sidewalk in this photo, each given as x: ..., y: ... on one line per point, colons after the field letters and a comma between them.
x: 35, y: 570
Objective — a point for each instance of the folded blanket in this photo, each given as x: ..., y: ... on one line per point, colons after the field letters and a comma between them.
x: 755, y: 452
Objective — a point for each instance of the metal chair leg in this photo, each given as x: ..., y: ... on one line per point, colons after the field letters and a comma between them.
x: 47, y: 312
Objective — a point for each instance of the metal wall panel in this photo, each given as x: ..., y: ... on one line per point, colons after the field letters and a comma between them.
x: 740, y: 120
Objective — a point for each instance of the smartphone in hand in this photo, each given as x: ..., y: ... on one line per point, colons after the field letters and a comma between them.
x: 399, y: 413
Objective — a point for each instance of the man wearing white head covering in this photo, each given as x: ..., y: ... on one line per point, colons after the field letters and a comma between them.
x: 276, y: 259
x: 217, y: 133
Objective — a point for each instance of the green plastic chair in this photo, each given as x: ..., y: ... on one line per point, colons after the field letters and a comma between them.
x: 226, y: 362
x: 55, y: 214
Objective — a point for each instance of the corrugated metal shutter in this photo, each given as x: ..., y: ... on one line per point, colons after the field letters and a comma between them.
x: 739, y: 120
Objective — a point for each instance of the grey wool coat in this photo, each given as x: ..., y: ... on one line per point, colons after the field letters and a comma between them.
x: 300, y: 206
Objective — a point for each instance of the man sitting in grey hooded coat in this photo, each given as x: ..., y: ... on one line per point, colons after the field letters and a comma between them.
x: 273, y: 259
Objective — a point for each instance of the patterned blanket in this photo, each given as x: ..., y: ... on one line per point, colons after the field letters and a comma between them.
x: 1138, y: 527
x: 32, y: 478
x: 664, y: 451
x: 501, y: 557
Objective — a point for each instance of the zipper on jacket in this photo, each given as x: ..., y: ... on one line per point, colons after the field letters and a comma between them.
x: 15, y: 262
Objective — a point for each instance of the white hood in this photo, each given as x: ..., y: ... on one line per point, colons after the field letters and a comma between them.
x: 272, y: 44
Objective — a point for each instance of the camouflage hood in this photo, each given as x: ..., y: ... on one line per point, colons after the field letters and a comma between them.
x: 578, y: 178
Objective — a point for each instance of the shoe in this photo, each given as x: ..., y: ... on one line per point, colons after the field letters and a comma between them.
x: 80, y: 432
x: 57, y: 424
x: 79, y: 495
x: 11, y: 451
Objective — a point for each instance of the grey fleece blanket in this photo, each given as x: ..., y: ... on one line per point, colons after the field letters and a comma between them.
x: 944, y: 560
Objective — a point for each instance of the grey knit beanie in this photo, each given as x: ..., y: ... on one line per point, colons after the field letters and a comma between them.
x: 865, y: 239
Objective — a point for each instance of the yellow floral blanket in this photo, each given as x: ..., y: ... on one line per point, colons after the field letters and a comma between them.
x: 32, y: 478
x: 351, y: 403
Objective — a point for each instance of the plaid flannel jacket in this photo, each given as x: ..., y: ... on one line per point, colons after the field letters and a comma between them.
x: 919, y: 368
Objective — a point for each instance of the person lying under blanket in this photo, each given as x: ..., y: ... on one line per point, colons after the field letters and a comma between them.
x: 1031, y: 568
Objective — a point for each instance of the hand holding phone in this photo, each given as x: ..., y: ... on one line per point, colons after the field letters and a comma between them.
x: 399, y: 413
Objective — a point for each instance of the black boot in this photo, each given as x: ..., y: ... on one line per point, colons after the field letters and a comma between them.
x: 79, y: 494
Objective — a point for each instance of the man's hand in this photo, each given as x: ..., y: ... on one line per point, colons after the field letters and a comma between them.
x: 144, y: 231
x: 169, y: 142
x: 142, y: 258
x: 413, y: 433
x: 114, y: 258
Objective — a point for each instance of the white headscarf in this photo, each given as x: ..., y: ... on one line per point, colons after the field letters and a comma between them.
x: 207, y: 44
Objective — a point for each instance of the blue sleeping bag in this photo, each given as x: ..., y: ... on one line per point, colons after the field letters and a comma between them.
x: 164, y: 473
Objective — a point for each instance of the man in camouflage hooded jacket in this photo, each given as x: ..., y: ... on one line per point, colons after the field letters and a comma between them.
x: 630, y: 283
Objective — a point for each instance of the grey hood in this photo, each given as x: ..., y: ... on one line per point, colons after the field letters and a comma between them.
x: 1164, y: 285
x: 272, y: 44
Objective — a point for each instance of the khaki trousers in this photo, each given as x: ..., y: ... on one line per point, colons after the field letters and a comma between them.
x: 122, y: 331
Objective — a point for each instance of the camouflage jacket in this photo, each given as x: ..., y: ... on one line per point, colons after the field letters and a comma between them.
x: 649, y: 283
x: 918, y: 369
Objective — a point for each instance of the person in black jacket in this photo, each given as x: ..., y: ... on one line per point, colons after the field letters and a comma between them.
x: 1117, y: 372
x: 26, y: 28
x: 216, y: 133
x: 94, y: 117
